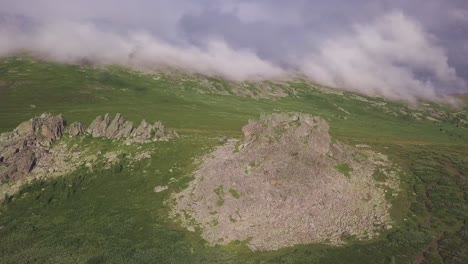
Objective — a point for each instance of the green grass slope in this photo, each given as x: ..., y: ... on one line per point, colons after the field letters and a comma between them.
x: 113, y: 215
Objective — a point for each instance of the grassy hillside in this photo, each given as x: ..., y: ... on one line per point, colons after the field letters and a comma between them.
x: 113, y: 215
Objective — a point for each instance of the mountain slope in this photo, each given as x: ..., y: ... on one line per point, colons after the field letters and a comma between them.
x: 113, y: 214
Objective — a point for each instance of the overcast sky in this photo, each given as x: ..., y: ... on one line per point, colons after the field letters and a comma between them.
x: 394, y: 48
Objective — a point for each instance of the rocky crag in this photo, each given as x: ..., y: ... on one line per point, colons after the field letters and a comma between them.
x: 28, y: 147
x: 119, y: 128
x: 287, y: 183
x: 21, y: 149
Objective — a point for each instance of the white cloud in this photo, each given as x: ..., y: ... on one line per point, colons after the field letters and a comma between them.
x: 72, y: 42
x: 391, y: 57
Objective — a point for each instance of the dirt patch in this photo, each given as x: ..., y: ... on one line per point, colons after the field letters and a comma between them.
x: 286, y: 183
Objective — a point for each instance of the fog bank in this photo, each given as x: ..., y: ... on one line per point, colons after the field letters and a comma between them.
x: 391, y: 50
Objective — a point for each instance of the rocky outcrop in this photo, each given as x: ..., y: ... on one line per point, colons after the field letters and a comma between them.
x: 30, y: 143
x: 21, y: 149
x: 46, y: 128
x: 287, y: 183
x: 98, y: 127
x: 119, y: 128
x: 75, y: 129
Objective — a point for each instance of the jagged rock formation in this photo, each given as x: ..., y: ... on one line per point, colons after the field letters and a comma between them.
x: 21, y: 149
x: 286, y: 183
x: 29, y: 145
x: 75, y: 129
x: 119, y: 128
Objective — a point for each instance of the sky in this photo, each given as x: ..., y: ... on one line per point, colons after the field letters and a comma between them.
x: 397, y: 49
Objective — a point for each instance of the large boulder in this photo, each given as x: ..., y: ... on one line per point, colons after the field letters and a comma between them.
x: 24, y: 163
x: 98, y: 127
x: 51, y: 127
x: 114, y: 127
x: 125, y: 130
x: 143, y: 131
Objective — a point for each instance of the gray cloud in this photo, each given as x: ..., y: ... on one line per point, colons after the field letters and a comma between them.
x: 74, y: 42
x: 389, y: 48
x: 392, y: 57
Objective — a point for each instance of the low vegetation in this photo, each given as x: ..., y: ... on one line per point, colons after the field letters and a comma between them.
x: 344, y: 168
x: 113, y: 215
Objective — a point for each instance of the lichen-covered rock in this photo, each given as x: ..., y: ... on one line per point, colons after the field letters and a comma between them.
x: 119, y: 128
x: 161, y: 133
x: 159, y: 130
x: 114, y: 127
x: 25, y: 128
x: 21, y: 149
x: 28, y: 144
x: 170, y: 133
x: 98, y: 127
x: 51, y: 127
x: 22, y: 165
x: 125, y: 130
x: 143, y: 131
x: 285, y: 184
x: 75, y: 129
x: 93, y: 128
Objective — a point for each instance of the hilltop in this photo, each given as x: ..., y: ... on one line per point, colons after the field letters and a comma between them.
x: 285, y: 184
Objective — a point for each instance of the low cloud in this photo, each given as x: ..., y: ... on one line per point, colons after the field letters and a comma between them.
x: 74, y: 42
x: 393, y: 57
x: 389, y: 54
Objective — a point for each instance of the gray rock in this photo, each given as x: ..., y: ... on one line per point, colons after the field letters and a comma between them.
x: 114, y: 126
x: 125, y: 130
x: 25, y: 162
x: 98, y: 127
x: 160, y: 188
x: 3, y: 170
x: 28, y: 145
x: 163, y: 133
x: 107, y: 120
x: 144, y: 131
x: 282, y: 188
x: 25, y: 128
x: 158, y: 125
x: 171, y: 133
x: 159, y: 132
x: 75, y: 129
x: 52, y: 127
x: 21, y: 149
x: 8, y: 152
x: 119, y: 128
x: 93, y: 128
